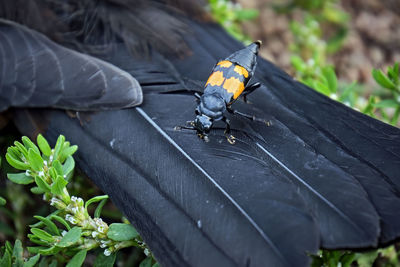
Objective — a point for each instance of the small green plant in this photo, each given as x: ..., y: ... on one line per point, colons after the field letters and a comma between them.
x: 334, y: 258
x: 68, y: 233
x: 390, y: 98
x: 325, y: 12
x: 230, y: 15
x: 13, y: 256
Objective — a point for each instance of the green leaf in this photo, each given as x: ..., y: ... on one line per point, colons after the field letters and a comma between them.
x: 6, y: 260
x: 247, y: 14
x: 50, y: 225
x: 347, y: 259
x: 388, y: 103
x: 39, y: 224
x: 17, y: 254
x: 35, y: 160
x: 330, y: 76
x: 396, y: 72
x: 78, y: 259
x: 68, y: 166
x: 16, y: 163
x: 61, y: 220
x: 71, y: 237
x: 298, y: 63
x: 58, y: 186
x: 36, y: 190
x: 121, y: 232
x: 59, y: 146
x: 382, y: 79
x: 94, y: 199
x: 14, y: 152
x: 146, y: 262
x: 69, y: 151
x: 40, y: 182
x: 3, y: 201
x: 53, y: 173
x: 29, y: 144
x: 99, y: 208
x: 395, y: 117
x: 43, y: 235
x: 21, y: 148
x: 105, y: 261
x: 322, y: 88
x: 50, y: 251
x: 53, y: 263
x: 43, y: 145
x: 58, y: 167
x: 9, y: 247
x: 20, y: 178
x: 38, y: 241
x: 34, y: 250
x: 32, y: 261
x: 156, y: 265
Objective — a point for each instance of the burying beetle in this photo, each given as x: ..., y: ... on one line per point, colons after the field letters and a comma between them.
x: 229, y: 80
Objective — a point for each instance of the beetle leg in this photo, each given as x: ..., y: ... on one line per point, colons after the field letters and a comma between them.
x: 249, y: 89
x: 247, y: 116
x: 230, y: 138
x: 228, y: 126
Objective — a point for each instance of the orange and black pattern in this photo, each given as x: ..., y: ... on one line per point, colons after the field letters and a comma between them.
x: 228, y: 79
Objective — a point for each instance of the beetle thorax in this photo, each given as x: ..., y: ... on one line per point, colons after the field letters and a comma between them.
x: 212, y: 105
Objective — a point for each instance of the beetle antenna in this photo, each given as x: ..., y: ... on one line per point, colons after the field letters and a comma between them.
x: 178, y: 128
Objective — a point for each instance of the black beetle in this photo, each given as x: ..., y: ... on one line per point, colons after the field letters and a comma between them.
x: 229, y: 79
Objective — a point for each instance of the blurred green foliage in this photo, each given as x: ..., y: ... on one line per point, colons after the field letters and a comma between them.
x: 230, y: 15
x: 387, y: 102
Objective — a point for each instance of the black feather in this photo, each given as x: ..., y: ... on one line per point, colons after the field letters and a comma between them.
x: 36, y: 72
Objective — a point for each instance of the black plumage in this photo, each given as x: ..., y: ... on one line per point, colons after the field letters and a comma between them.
x: 322, y: 175
x: 36, y: 72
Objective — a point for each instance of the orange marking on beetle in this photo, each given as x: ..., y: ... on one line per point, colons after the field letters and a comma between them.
x: 241, y: 71
x: 216, y: 78
x: 225, y: 64
x: 234, y: 86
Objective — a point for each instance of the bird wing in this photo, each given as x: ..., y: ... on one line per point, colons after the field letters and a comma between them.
x: 36, y: 72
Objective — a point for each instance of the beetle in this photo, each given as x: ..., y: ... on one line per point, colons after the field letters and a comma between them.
x: 229, y: 79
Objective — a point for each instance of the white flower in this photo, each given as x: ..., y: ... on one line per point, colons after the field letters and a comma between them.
x: 94, y: 234
x: 74, y: 210
x: 146, y: 252
x: 101, y: 229
x: 73, y: 198
x: 63, y: 233
x: 41, y: 173
x: 80, y: 201
x: 28, y: 173
x: 71, y: 219
x: 107, y: 252
x: 45, y: 162
x: 98, y: 221
x: 54, y: 201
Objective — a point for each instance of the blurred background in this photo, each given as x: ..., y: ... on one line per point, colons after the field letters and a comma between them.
x: 331, y: 45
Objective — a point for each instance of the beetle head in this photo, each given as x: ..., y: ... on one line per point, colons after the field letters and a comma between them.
x: 203, y: 123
